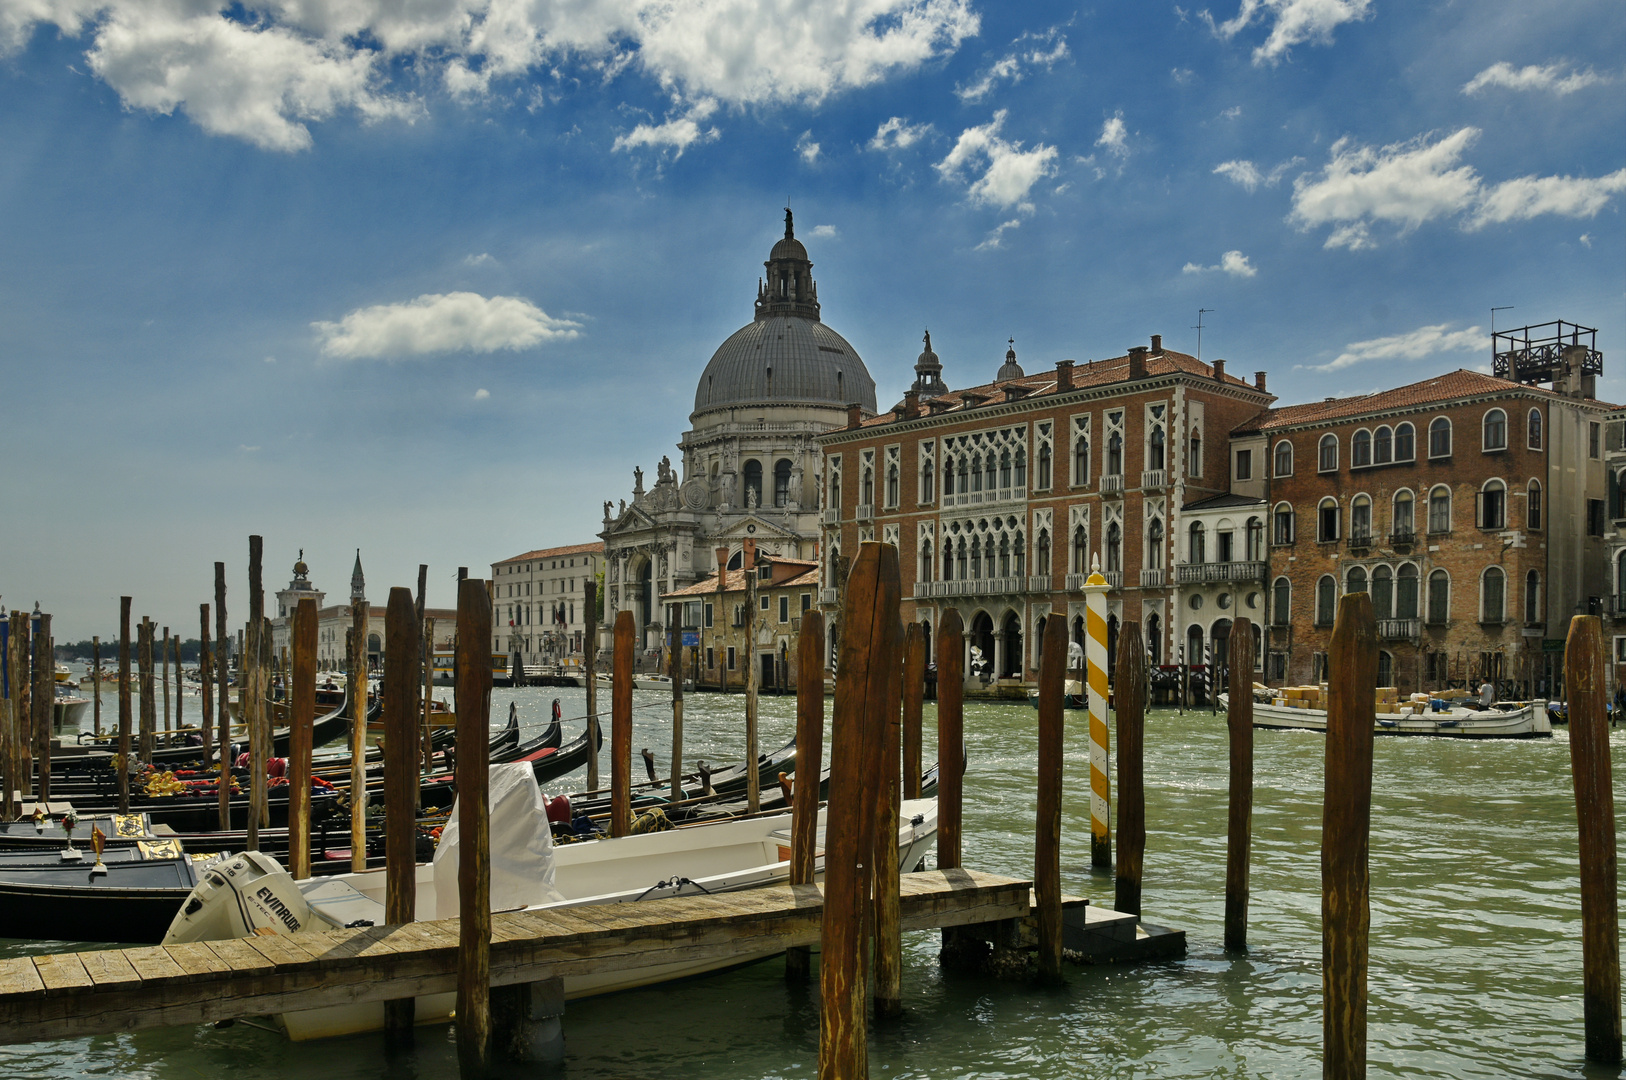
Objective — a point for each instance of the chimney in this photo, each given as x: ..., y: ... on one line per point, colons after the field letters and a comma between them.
x: 911, y: 405
x: 1064, y: 376
x: 1157, y: 344
x: 1259, y: 381
x: 1219, y: 370
x: 748, y: 555
x: 1137, y: 362
x: 855, y: 416
x: 722, y: 561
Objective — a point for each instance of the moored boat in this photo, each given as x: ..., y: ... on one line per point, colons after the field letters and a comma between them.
x: 1513, y: 720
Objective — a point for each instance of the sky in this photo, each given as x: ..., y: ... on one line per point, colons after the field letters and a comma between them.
x: 429, y: 279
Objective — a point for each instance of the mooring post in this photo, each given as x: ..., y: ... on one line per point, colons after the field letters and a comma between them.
x: 888, y: 934
x: 1239, y: 821
x: 358, y: 735
x: 402, y: 657
x: 1129, y: 700
x: 426, y: 732
x: 621, y: 725
x: 163, y: 651
x: 950, y: 738
x: 206, y: 687
x: 96, y: 685
x: 1595, y: 815
x: 474, y: 829
x: 676, y: 665
x: 867, y: 671
x: 748, y: 656
x: 149, y: 698
x: 44, y: 702
x: 253, y: 705
x: 8, y: 774
x: 1095, y: 660
x: 25, y: 708
x: 301, y: 718
x: 804, y: 827
x: 1047, y: 828
x: 180, y: 681
x: 720, y: 619
x: 22, y: 779
x: 914, y: 704
x: 1346, y: 823
x: 124, y: 703
x: 223, y: 688
x: 589, y: 655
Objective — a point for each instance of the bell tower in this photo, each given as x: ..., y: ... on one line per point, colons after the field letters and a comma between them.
x: 788, y: 288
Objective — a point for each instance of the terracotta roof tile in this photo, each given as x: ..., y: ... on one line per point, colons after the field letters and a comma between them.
x: 595, y: 548
x: 1452, y: 387
x: 734, y: 580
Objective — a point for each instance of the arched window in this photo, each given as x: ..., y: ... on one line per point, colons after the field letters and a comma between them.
x: 1042, y: 481
x: 1154, y: 545
x: 1492, y: 595
x: 1386, y: 668
x: 781, y: 482
x: 1439, y: 437
x: 1326, y: 600
x: 1533, y: 430
x: 926, y: 563
x: 1041, y: 553
x: 1405, y: 443
x: 1281, y: 602
x: 1406, y: 592
x: 753, y: 480
x: 1115, y: 454
x: 1494, y: 435
x: 988, y: 555
x: 1196, y: 549
x: 1004, y: 468
x: 1081, y: 459
x: 1154, y: 639
x: 1360, y: 518
x: 1021, y: 468
x: 948, y: 560
x: 1284, y: 458
x: 1020, y: 564
x: 1081, y: 551
x: 1195, y: 464
x: 1360, y: 449
x: 1004, y: 555
x: 928, y: 476
x: 1532, y: 598
x: 1327, y: 454
x: 976, y: 560
x: 891, y: 485
x: 1532, y: 506
x: 1382, y: 446
x: 1355, y: 580
x: 976, y: 473
x: 948, y: 477
x: 1327, y: 520
x: 1115, y: 546
x: 1439, y: 598
x: 1383, y: 596
x: 1493, y: 505
x: 1256, y: 539
x: 1154, y: 448
x: 993, y: 476
x: 1405, y: 517
x: 1439, y: 510
x: 1282, y: 524
x: 960, y: 567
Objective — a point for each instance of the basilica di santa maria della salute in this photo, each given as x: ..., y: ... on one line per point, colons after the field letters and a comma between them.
x: 749, y: 466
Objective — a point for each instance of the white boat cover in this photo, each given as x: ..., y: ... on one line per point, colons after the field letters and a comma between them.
x: 521, y: 846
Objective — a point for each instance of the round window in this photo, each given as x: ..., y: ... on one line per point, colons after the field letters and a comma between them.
x: 1224, y: 600
x: 1253, y: 600
x: 1196, y: 601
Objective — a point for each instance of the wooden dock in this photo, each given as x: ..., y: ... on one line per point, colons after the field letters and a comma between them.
x: 72, y: 995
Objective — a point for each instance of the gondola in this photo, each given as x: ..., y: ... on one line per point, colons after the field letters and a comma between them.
x: 132, y: 898
x: 328, y: 727
x: 725, y: 783
x: 549, y: 762
x: 47, y: 834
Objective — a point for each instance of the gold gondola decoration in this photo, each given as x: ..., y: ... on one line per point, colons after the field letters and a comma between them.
x: 97, y: 840
x: 69, y: 821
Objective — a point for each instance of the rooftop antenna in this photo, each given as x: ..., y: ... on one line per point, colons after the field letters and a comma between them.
x: 1199, y: 328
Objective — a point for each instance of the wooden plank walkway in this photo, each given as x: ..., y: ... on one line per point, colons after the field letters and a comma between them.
x: 71, y: 995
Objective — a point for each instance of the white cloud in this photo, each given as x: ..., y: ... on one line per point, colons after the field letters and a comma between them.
x: 1114, y: 136
x: 263, y: 72
x: 482, y: 394
x: 1419, y: 344
x: 481, y: 259
x: 824, y: 232
x: 1586, y: 240
x: 1028, y: 51
x: 1010, y: 171
x: 1232, y: 113
x: 806, y: 148
x: 997, y: 233
x: 441, y: 323
x: 1292, y: 23
x: 678, y: 133
x: 1555, y: 78
x: 1408, y: 183
x: 1247, y: 174
x: 1233, y: 263
x: 1182, y: 75
x: 898, y: 134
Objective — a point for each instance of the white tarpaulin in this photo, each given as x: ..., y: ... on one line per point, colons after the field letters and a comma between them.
x: 521, y: 846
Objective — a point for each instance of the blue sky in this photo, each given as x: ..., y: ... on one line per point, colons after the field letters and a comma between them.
x: 430, y: 279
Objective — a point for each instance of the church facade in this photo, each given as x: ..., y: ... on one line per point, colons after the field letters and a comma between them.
x: 749, y: 465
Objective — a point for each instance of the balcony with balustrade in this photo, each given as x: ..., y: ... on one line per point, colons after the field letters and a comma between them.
x: 829, y: 596
x: 1112, y: 485
x: 1154, y: 479
x: 1402, y: 538
x: 1399, y: 629
x: 866, y: 512
x: 831, y: 516
x: 1360, y: 540
x: 1209, y: 572
x: 1153, y: 579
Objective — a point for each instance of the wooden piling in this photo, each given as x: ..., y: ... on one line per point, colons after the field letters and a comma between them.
x: 358, y: 735
x: 474, y: 829
x: 675, y: 635
x: 809, y: 767
x: 1595, y: 816
x: 1129, y: 706
x: 205, y: 687
x: 149, y: 698
x: 301, y: 718
x: 1239, y: 821
x: 44, y: 694
x: 621, y: 725
x: 950, y: 737
x: 753, y: 779
x: 24, y: 733
x: 95, y: 684
x: 589, y: 656
x: 8, y: 755
x: 163, y: 651
x: 252, y: 697
x: 867, y: 670
x: 1346, y: 822
x: 426, y: 754
x: 888, y: 993
x: 1047, y: 827
x: 180, y: 681
x: 124, y: 703
x: 402, y: 657
x: 223, y: 690
x: 914, y: 704
x: 720, y: 619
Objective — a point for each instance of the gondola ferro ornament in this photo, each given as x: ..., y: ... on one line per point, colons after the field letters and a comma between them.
x: 96, y: 842
x: 70, y: 853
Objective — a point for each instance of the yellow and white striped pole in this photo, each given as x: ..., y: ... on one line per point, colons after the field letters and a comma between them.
x: 1095, y: 659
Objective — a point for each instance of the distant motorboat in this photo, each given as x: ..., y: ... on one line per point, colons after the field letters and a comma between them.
x: 639, y: 682
x: 1512, y: 720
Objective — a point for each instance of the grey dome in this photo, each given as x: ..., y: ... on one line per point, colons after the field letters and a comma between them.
x: 784, y: 360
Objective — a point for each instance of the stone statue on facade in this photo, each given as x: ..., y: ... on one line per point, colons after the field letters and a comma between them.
x: 637, y: 481
x: 665, y: 472
x: 750, y: 498
x: 606, y: 509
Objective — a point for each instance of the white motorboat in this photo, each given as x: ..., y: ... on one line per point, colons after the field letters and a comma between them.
x: 639, y: 682
x: 1514, y: 720
x: 252, y: 890
x: 69, y: 709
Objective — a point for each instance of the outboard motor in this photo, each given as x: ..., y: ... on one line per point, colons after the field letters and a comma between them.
x: 238, y: 896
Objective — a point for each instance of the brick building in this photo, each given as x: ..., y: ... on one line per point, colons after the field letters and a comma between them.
x: 786, y: 590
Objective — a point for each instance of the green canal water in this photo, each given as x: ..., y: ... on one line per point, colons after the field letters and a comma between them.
x: 1475, y: 965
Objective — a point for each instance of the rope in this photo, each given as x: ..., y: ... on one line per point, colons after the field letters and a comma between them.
x: 672, y: 883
